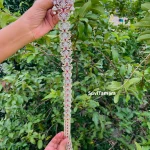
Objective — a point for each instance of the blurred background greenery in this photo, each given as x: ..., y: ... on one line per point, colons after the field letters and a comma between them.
x: 105, y: 58
x: 18, y: 5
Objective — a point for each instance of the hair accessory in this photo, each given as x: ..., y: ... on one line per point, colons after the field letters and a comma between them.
x: 64, y: 9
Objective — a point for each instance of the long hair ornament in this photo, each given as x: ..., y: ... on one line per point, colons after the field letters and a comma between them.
x: 64, y: 8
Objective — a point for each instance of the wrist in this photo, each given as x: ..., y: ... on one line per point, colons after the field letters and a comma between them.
x: 23, y: 23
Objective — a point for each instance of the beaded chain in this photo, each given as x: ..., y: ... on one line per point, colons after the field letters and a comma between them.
x: 64, y: 8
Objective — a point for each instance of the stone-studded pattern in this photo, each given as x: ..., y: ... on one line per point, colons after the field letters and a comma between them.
x: 64, y: 8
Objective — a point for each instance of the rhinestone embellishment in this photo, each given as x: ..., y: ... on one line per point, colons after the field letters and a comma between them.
x: 64, y: 8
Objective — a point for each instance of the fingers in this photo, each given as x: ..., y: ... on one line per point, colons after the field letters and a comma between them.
x: 55, y: 17
x: 44, y: 4
x: 52, y: 18
x: 58, y: 142
x: 54, y: 143
x: 63, y: 144
x: 57, y: 138
x: 52, y: 13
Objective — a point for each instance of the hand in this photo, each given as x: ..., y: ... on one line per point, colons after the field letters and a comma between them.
x: 59, y: 142
x: 39, y: 18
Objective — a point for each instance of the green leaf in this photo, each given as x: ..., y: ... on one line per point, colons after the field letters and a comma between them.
x: 1, y: 87
x: 95, y: 118
x: 145, y: 32
x: 10, y: 135
x: 145, y: 147
x: 92, y: 16
x: 4, y: 19
x: 83, y: 97
x: 148, y: 124
x: 146, y: 6
x: 127, y: 97
x: 77, y: 83
x: 1, y: 3
x: 115, y: 55
x: 83, y: 10
x: 40, y: 144
x: 81, y: 28
x: 75, y: 109
x: 43, y: 136
x: 78, y: 3
x: 134, y: 91
x: 143, y: 24
x: 89, y: 30
x: 144, y: 37
x: 30, y: 58
x: 83, y: 88
x: 30, y: 88
x: 98, y: 10
x: 84, y: 20
x: 19, y: 98
x: 146, y: 18
x: 48, y: 138
x: 116, y: 97
x: 129, y: 70
x: 93, y: 104
x: 131, y: 82
x: 32, y: 140
x: 102, y: 123
x: 114, y: 85
x: 138, y: 147
x: 53, y: 94
x: 9, y: 78
x: 30, y: 47
x: 122, y: 70
x: 95, y: 2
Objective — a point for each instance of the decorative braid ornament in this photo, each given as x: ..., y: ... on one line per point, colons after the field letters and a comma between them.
x: 64, y: 8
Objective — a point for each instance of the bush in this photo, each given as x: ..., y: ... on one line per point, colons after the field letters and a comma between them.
x: 18, y: 5
x: 105, y: 58
x: 145, y: 24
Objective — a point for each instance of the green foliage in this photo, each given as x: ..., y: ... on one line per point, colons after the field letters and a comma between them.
x: 145, y: 23
x: 18, y: 5
x: 1, y: 3
x: 105, y: 58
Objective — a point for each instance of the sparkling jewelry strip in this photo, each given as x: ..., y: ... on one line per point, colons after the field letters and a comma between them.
x: 64, y: 8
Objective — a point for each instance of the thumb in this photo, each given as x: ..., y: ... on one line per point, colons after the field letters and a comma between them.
x: 63, y: 144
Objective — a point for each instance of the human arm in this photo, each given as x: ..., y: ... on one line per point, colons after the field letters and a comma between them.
x: 12, y: 38
x: 33, y: 24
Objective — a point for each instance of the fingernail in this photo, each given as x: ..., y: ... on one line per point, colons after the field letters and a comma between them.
x: 54, y: 12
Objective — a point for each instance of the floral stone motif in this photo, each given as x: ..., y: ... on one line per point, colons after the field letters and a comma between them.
x: 64, y: 8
